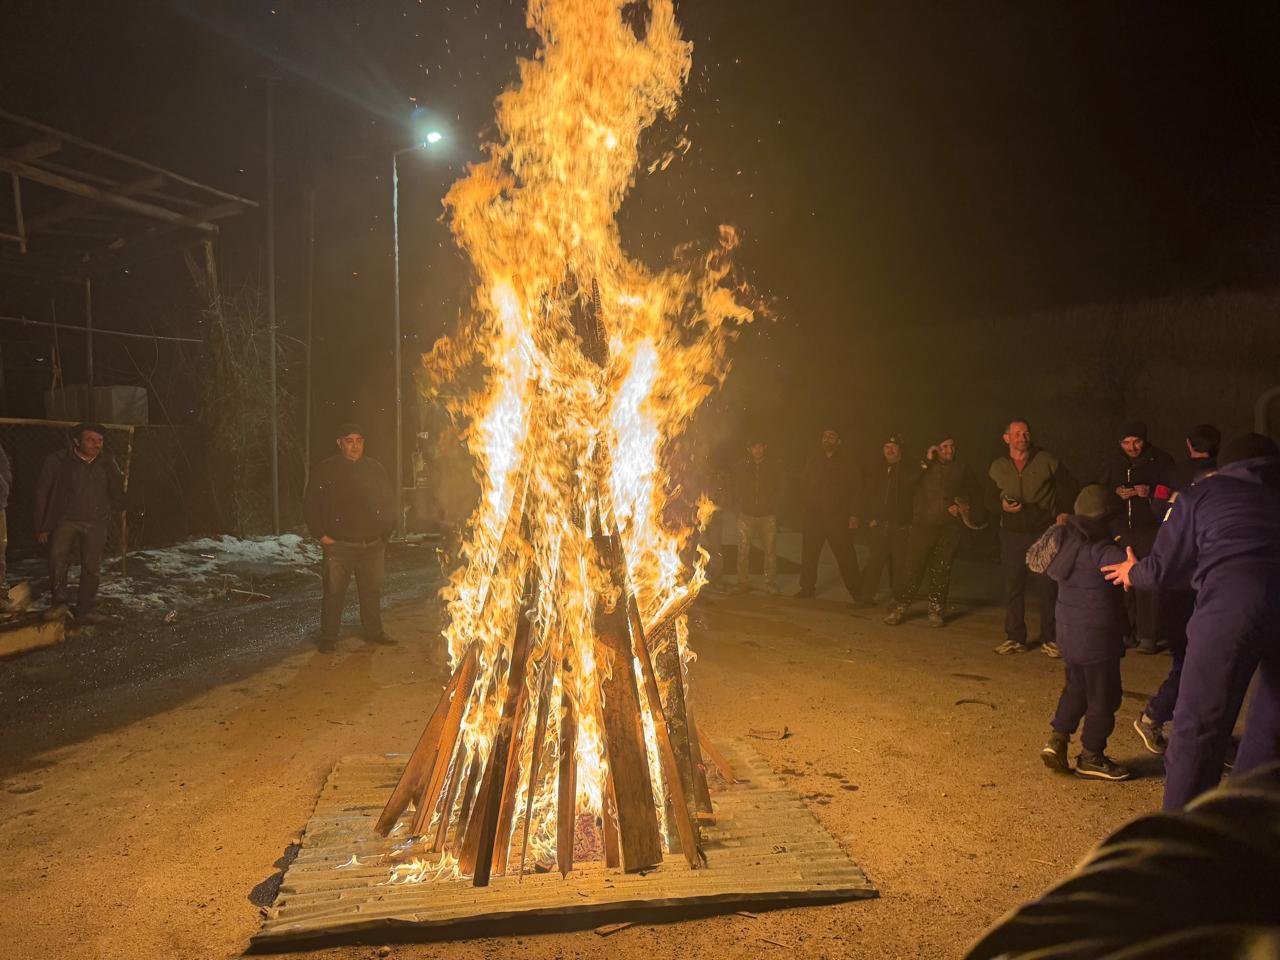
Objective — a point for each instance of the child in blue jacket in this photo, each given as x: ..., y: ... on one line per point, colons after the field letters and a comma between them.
x: 1091, y: 626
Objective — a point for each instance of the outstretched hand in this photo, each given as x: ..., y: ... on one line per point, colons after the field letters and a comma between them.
x: 1118, y: 573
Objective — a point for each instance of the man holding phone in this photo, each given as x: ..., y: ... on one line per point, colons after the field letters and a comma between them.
x: 1030, y: 489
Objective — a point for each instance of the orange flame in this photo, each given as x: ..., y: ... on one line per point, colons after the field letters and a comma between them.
x: 590, y: 366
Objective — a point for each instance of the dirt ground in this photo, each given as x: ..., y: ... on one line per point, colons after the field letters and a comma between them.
x: 916, y: 748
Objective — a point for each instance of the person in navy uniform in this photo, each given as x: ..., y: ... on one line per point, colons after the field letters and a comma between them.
x: 1178, y: 603
x: 1090, y: 632
x: 1223, y: 535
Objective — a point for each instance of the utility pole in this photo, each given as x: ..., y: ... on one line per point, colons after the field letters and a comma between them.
x: 311, y: 283
x: 271, y: 303
x: 395, y: 253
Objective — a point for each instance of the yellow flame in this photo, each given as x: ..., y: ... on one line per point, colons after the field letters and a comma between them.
x: 576, y: 370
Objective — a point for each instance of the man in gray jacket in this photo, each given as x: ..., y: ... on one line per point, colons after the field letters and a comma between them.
x: 1030, y: 490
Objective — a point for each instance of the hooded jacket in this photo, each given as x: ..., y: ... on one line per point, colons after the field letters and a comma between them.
x: 1090, y: 610
x: 1223, y: 530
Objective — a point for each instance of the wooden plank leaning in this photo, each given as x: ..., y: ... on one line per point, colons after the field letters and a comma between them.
x: 535, y: 755
x: 567, y: 776
x: 430, y: 793
x: 418, y: 769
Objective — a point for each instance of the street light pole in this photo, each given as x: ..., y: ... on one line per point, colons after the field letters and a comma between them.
x: 395, y: 252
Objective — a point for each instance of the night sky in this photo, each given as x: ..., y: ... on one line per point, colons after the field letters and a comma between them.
x: 887, y: 163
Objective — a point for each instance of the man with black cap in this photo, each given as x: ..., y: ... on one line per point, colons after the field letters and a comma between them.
x: 1223, y: 535
x: 829, y: 494
x: 888, y: 486
x: 1032, y: 489
x: 1177, y: 603
x: 756, y: 489
x: 350, y: 508
x: 1135, y: 474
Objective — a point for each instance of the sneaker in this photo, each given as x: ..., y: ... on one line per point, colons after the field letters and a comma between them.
x: 895, y: 616
x: 803, y: 594
x: 1152, y: 734
x: 1148, y: 646
x: 936, y: 619
x: 1054, y: 753
x: 1098, y: 766
x: 1012, y: 646
x: 382, y: 640
x: 1050, y: 650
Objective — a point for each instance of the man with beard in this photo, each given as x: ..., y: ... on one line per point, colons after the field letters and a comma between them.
x: 1222, y: 535
x: 1138, y: 474
x: 887, y: 490
x: 828, y: 485
x: 1033, y: 490
x: 947, y: 500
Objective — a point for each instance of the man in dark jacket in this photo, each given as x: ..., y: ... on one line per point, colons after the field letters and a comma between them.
x: 1090, y: 632
x: 1223, y: 535
x: 350, y: 509
x: 756, y: 488
x: 828, y: 486
x: 1032, y: 489
x: 888, y: 487
x: 78, y: 492
x: 947, y: 500
x: 1136, y: 474
x: 1179, y: 602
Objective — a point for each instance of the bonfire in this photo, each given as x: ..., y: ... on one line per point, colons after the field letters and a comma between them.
x: 564, y: 733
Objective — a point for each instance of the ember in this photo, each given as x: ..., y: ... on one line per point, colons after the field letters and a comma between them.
x: 567, y: 708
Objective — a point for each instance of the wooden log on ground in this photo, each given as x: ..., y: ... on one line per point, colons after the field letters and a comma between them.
x: 489, y: 810
x: 639, y: 839
x: 567, y: 778
x: 430, y: 792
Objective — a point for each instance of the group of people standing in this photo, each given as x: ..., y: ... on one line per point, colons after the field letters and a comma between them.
x: 1203, y: 584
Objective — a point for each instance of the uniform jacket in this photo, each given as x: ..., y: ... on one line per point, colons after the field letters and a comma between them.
x: 350, y: 501
x: 104, y: 488
x: 1045, y: 488
x: 938, y: 486
x: 888, y: 491
x: 829, y: 485
x: 756, y: 487
x: 1223, y: 530
x: 1090, y: 611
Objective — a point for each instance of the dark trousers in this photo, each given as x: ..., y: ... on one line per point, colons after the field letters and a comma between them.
x: 1013, y: 561
x: 1092, y: 693
x: 1229, y: 640
x: 341, y: 560
x: 888, y: 543
x: 90, y: 538
x: 1177, y: 609
x: 930, y: 552
x: 834, y: 530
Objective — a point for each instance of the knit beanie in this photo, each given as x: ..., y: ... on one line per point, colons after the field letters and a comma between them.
x: 1094, y: 500
x: 1246, y: 446
x: 1132, y: 428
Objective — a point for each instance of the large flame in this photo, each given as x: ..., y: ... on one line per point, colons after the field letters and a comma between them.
x: 578, y: 368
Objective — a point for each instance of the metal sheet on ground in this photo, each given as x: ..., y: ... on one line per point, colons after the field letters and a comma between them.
x: 766, y: 849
